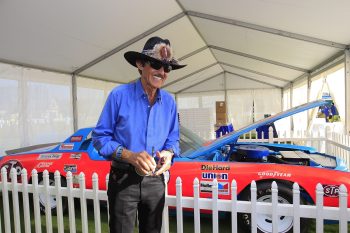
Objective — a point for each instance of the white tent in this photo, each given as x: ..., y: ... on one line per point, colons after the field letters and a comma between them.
x: 228, y: 45
x: 270, y: 42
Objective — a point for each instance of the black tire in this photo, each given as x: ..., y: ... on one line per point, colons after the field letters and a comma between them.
x: 264, y: 222
x: 42, y: 198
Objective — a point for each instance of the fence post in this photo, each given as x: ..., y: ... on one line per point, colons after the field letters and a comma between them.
x: 83, y: 207
x: 15, y: 203
x: 319, y: 207
x: 25, y: 196
x: 165, y: 225
x: 274, y: 202
x: 197, y: 219
x: 215, y: 198
x: 5, y: 200
x: 59, y: 209
x: 234, y: 205
x: 179, y: 219
x: 97, y: 212
x: 296, y: 208
x: 47, y: 202
x: 71, y: 209
x: 37, y: 217
x: 253, y: 191
x: 343, y: 198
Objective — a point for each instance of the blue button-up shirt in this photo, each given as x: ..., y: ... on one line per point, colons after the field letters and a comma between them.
x: 129, y: 120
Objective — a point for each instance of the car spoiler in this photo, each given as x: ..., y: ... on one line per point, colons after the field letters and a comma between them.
x: 29, y: 148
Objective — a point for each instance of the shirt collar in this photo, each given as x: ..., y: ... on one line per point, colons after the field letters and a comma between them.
x: 141, y: 92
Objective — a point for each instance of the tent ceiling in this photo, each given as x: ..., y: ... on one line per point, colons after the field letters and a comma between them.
x: 233, y: 44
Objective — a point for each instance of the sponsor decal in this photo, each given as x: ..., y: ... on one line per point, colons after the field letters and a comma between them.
x: 44, y: 164
x: 223, y: 187
x: 66, y: 146
x: 73, y: 168
x: 75, y: 179
x: 13, y: 164
x: 215, y: 167
x: 212, y: 176
x: 48, y: 156
x: 330, y: 190
x: 76, y: 138
x: 205, y: 186
x: 75, y: 156
x: 274, y: 174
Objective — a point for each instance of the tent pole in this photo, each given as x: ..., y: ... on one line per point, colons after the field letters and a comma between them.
x: 347, y: 90
x: 74, y: 102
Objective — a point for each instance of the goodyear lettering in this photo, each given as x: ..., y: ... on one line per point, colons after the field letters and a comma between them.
x: 274, y: 174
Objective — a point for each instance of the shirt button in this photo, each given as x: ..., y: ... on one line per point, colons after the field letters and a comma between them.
x: 149, y: 106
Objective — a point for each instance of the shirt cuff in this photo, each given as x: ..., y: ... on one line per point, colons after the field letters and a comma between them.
x: 108, y: 149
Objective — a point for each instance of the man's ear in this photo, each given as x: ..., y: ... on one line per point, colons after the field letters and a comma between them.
x: 139, y: 65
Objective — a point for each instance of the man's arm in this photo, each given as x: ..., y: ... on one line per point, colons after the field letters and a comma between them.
x: 103, y: 134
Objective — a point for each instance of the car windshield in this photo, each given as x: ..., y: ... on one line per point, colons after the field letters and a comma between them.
x: 189, y: 141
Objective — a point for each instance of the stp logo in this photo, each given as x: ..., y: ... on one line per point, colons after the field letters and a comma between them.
x: 13, y: 164
x: 331, y: 190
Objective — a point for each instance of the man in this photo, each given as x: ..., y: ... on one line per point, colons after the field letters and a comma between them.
x: 137, y: 127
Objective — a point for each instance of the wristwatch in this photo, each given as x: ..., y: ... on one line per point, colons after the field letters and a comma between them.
x: 118, y: 153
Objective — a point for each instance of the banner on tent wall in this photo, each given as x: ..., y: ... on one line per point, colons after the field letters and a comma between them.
x: 329, y: 112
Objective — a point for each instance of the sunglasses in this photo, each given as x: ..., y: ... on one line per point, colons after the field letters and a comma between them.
x: 157, y: 65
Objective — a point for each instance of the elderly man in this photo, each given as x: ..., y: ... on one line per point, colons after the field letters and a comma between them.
x: 138, y: 130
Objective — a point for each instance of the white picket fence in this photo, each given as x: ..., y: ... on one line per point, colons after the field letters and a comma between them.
x: 275, y: 209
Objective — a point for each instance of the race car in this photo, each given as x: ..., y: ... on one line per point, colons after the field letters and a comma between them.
x: 223, y: 159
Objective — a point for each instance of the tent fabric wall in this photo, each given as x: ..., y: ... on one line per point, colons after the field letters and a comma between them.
x: 91, y: 96
x: 248, y: 106
x: 38, y: 107
x: 192, y: 108
x: 334, y: 81
x: 300, y: 97
x: 239, y: 108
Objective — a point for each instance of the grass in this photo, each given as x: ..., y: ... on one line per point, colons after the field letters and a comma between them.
x: 188, y: 222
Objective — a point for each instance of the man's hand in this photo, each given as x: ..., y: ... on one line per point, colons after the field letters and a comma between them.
x: 164, y: 161
x: 143, y: 162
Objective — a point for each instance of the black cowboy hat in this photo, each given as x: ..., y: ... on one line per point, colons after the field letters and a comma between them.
x: 155, y: 49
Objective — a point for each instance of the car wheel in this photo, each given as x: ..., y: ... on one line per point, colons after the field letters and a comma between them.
x: 52, y: 198
x: 264, y: 221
